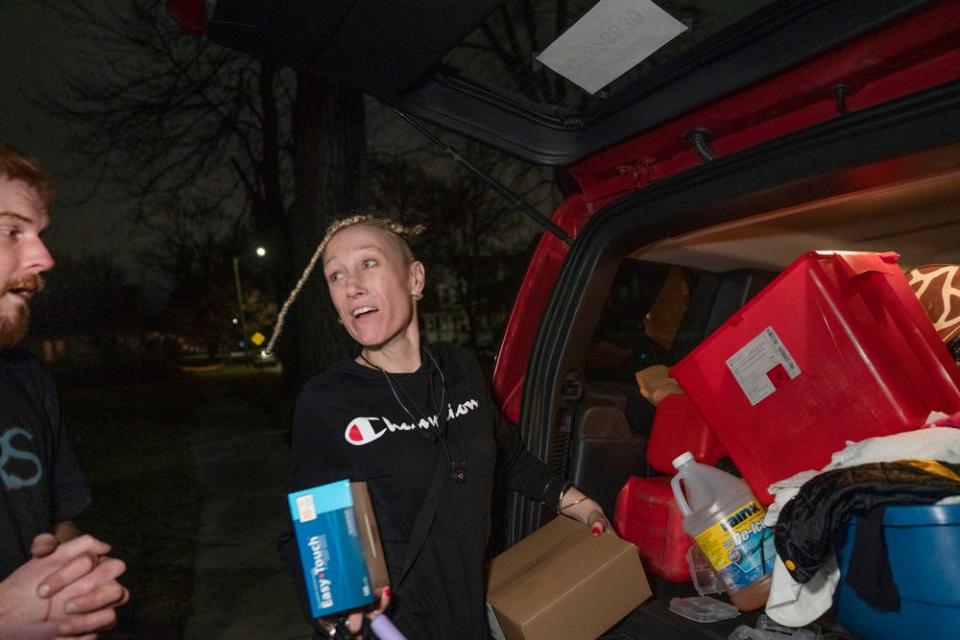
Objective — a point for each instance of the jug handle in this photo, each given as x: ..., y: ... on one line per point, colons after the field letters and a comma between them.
x: 678, y: 495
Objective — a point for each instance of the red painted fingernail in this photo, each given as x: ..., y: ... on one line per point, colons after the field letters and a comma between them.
x: 597, y: 531
x: 387, y: 591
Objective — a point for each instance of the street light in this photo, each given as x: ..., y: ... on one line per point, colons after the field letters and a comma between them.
x: 261, y: 252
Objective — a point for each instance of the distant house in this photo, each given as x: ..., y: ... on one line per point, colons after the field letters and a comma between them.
x: 478, y: 322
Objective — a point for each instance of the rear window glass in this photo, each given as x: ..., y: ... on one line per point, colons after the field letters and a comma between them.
x: 647, y: 320
x: 501, y: 52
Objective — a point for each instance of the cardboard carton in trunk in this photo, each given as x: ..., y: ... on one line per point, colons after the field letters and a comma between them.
x: 562, y: 582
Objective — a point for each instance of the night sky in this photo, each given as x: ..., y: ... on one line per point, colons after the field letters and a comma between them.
x: 34, y: 45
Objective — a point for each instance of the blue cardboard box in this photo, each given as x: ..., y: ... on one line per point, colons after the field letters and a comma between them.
x: 331, y: 548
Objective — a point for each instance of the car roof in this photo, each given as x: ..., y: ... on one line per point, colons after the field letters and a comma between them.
x: 470, y: 65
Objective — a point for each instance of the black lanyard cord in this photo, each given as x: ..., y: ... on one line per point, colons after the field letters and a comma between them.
x: 458, y: 468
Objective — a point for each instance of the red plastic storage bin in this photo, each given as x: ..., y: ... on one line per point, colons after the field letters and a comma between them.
x: 679, y: 427
x: 836, y: 348
x: 647, y: 515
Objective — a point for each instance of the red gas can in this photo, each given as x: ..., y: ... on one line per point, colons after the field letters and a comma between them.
x: 679, y: 427
x: 647, y: 515
x: 836, y: 348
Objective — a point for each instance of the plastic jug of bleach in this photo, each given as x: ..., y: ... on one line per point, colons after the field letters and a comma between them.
x: 724, y: 518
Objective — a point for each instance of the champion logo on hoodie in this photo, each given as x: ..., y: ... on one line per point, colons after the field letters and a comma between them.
x: 361, y: 430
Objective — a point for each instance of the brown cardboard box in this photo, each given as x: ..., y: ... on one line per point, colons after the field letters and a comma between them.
x: 369, y: 535
x: 562, y: 582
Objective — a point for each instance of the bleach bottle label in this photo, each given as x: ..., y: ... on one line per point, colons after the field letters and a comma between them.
x: 739, y: 547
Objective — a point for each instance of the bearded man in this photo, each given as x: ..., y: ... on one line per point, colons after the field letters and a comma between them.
x: 53, y: 582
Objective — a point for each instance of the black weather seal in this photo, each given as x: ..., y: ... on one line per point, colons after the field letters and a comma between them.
x: 490, y: 181
x: 699, y: 139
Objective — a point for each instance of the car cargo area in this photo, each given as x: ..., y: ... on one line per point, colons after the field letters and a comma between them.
x: 662, y: 299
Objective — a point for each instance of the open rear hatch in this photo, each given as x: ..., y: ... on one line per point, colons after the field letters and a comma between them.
x: 472, y: 66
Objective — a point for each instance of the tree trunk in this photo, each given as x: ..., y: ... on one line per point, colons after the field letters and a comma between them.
x: 330, y: 139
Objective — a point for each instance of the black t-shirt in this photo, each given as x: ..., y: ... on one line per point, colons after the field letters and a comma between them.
x: 350, y: 423
x: 40, y: 481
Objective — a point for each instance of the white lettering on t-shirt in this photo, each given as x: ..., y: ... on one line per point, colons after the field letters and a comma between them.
x: 10, y: 452
x: 360, y: 431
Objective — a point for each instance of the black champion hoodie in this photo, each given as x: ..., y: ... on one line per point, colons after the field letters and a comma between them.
x: 352, y: 422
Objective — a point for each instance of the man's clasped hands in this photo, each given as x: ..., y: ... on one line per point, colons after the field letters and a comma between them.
x: 68, y: 589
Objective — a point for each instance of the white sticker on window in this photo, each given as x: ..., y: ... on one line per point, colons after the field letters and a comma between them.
x: 613, y: 37
x: 761, y: 365
x: 306, y: 509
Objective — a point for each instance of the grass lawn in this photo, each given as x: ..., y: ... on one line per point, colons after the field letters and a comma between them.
x: 132, y: 436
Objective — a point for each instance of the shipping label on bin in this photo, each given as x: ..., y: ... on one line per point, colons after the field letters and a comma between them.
x: 330, y: 547
x: 762, y: 365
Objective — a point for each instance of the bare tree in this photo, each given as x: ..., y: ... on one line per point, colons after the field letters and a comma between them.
x: 188, y: 253
x: 476, y: 243
x: 169, y: 116
x: 330, y: 126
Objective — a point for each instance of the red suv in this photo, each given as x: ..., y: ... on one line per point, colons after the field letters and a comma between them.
x: 767, y: 129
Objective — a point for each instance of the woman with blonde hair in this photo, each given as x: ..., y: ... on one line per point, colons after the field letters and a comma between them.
x: 416, y: 422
